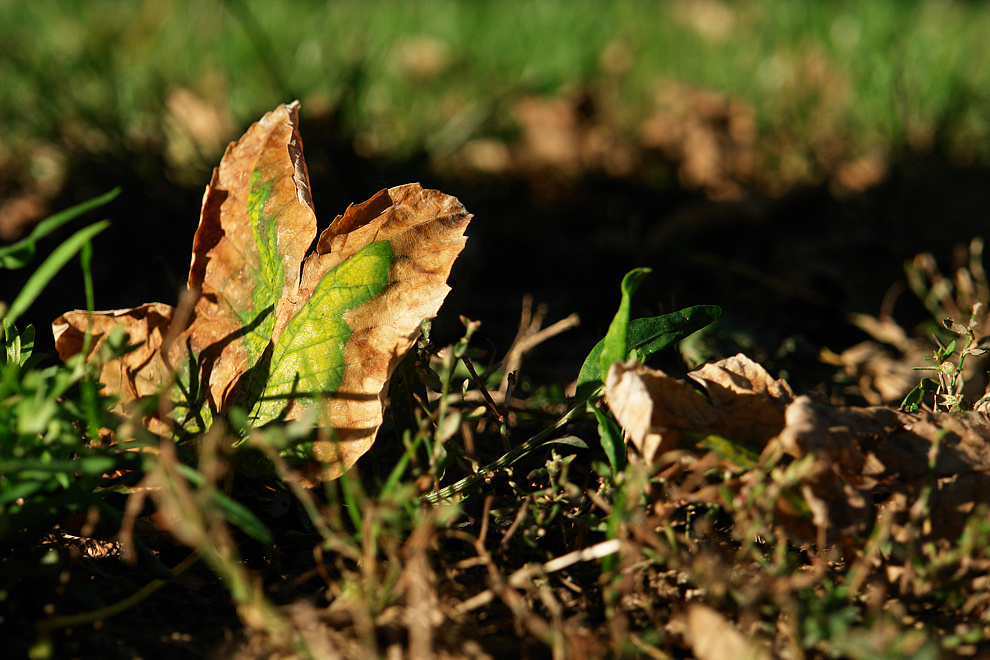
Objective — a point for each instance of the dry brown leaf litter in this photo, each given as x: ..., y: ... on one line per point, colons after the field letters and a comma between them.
x: 853, y: 458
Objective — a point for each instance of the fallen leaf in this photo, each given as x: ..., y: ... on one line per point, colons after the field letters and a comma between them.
x: 276, y: 331
x: 653, y: 407
x: 713, y: 637
x: 880, y: 377
x: 749, y: 402
x: 867, y: 455
x: 142, y: 372
x: 743, y: 404
x: 927, y: 471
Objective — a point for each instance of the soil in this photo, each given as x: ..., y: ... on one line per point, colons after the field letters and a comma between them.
x: 785, y: 269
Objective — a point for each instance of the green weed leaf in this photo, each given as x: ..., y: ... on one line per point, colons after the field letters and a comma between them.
x: 912, y: 402
x: 615, y: 348
x: 647, y: 336
x: 612, y: 439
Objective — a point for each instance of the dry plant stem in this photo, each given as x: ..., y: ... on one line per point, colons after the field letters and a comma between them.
x: 132, y: 510
x: 528, y: 325
x: 331, y: 540
x: 520, y: 516
x: 200, y: 526
x: 485, y: 514
x: 647, y: 650
x: 529, y: 335
x: 183, y: 312
x: 484, y: 391
x: 529, y: 343
x: 525, y: 574
x: 419, y: 591
x: 510, y: 385
x: 860, y: 570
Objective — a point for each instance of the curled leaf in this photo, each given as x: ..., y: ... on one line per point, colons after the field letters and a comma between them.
x: 864, y: 455
x: 275, y: 331
x: 743, y: 404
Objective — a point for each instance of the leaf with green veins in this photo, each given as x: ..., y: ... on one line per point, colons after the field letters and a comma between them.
x: 272, y: 330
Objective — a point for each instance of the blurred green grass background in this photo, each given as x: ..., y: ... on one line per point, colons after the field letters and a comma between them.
x: 876, y: 77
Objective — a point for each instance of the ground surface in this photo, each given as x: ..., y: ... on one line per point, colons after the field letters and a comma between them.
x: 785, y: 269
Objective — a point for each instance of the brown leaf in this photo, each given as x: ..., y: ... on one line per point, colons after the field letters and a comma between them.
x: 272, y: 332
x: 744, y: 404
x: 863, y: 455
x: 653, y: 407
x: 143, y: 372
x: 713, y: 637
x: 750, y: 403
x: 928, y: 470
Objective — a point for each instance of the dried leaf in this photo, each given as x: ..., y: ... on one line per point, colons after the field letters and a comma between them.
x: 142, y: 372
x: 927, y: 471
x: 275, y: 333
x: 865, y: 455
x: 749, y: 402
x: 713, y: 637
x: 744, y: 404
x: 881, y: 378
x: 653, y: 407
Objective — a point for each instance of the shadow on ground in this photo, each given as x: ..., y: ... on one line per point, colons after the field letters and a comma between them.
x: 785, y: 270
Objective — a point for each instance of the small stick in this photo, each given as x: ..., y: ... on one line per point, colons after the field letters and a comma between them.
x: 520, y: 577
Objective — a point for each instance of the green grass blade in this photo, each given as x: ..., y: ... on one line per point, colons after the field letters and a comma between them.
x: 58, y: 258
x: 540, y: 439
x: 348, y: 485
x: 20, y: 253
x: 395, y: 476
x: 86, y: 261
x: 88, y: 465
x: 233, y: 511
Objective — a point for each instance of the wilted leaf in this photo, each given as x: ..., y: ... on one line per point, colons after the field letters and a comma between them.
x: 713, y: 637
x: 744, y: 404
x: 272, y: 332
x: 865, y: 455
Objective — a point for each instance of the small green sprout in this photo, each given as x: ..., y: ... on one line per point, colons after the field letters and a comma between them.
x: 949, y: 380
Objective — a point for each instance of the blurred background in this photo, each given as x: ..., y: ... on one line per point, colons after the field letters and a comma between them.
x: 780, y: 158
